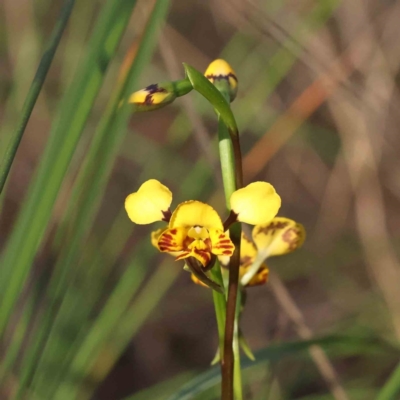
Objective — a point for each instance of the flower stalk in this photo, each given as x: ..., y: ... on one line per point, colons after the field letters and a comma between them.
x: 232, y: 176
x: 195, y: 233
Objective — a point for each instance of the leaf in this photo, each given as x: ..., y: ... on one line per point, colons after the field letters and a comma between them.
x: 202, y: 85
x: 391, y: 389
x: 275, y: 352
x: 35, y: 89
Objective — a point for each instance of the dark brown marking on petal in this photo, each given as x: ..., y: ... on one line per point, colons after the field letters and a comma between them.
x: 292, y: 237
x: 174, y: 231
x: 166, y: 244
x: 153, y: 88
x: 246, y: 261
x: 272, y: 227
x: 224, y: 246
x: 227, y: 252
x: 219, y: 77
x: 221, y: 236
x: 183, y: 255
x: 186, y: 242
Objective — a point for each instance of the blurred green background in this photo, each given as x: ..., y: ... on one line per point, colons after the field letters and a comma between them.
x: 89, y: 309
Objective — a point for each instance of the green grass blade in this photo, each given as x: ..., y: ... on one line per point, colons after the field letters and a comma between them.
x: 391, y: 389
x: 97, y: 168
x: 64, y: 138
x: 161, y: 390
x: 117, y: 340
x: 276, y: 352
x: 34, y: 89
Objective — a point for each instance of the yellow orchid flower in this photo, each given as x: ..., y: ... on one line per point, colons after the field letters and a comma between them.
x: 278, y: 237
x: 220, y: 70
x: 194, y: 228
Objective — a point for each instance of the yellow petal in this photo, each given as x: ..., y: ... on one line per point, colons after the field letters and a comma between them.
x: 220, y: 70
x: 248, y: 251
x: 172, y: 240
x: 204, y: 256
x: 256, y: 203
x: 148, y: 203
x: 155, y: 235
x: 195, y: 213
x: 259, y: 278
x: 280, y: 236
x: 221, y: 245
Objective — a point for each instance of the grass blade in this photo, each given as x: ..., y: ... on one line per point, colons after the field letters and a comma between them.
x: 276, y: 352
x: 391, y: 389
x: 35, y: 89
x: 66, y: 131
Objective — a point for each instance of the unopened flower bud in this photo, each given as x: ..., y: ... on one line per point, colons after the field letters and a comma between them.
x: 153, y: 96
x: 159, y: 95
x: 221, y: 74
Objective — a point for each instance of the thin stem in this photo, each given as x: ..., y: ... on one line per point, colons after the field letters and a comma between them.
x: 220, y: 306
x: 237, y: 375
x: 227, y: 365
x: 234, y: 134
x: 231, y: 166
x: 35, y: 89
x: 227, y: 161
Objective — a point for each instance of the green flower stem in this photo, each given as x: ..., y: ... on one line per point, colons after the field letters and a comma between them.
x: 231, y: 167
x: 34, y: 90
x: 220, y: 306
x: 237, y: 371
x: 227, y: 161
x: 219, y: 98
x: 182, y: 87
x: 228, y: 376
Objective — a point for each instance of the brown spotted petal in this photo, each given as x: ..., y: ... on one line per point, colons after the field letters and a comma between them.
x: 221, y: 244
x: 204, y: 256
x: 172, y: 240
x: 280, y: 236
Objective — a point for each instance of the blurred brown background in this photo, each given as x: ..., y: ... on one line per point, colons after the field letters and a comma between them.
x: 317, y: 109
